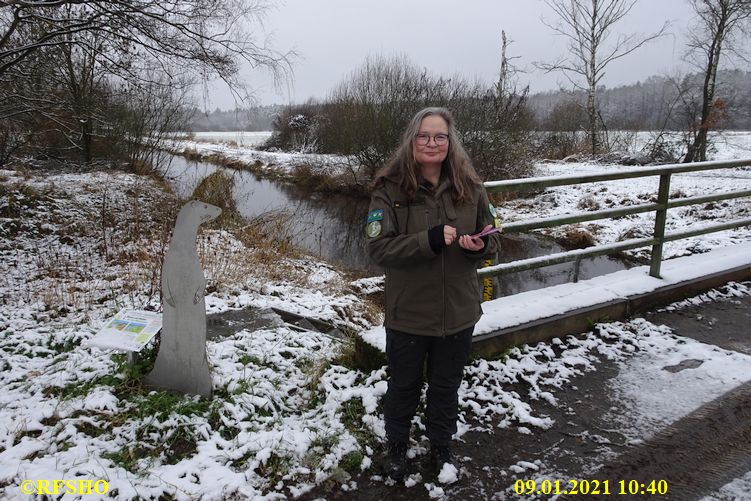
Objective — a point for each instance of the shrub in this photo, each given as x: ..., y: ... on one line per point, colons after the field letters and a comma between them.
x: 216, y: 189
x: 576, y: 238
x: 366, y: 114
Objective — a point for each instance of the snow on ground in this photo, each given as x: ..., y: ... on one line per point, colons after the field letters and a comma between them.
x: 650, y: 397
x: 288, y: 413
x: 237, y: 137
x: 737, y: 490
x: 650, y: 391
x: 75, y: 248
x: 270, y: 162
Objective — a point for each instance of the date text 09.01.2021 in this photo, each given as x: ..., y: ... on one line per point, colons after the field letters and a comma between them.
x: 590, y: 487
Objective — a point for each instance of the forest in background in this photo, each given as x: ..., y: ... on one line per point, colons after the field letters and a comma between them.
x: 639, y: 106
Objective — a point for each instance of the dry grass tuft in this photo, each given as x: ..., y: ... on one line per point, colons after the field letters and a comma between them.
x: 216, y: 189
x: 575, y: 238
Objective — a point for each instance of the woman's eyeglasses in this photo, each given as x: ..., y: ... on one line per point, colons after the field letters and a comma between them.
x: 424, y: 139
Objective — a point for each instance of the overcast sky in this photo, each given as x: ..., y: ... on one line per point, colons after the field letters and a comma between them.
x: 333, y: 37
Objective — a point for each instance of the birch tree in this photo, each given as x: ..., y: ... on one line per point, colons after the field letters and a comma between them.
x: 588, y: 26
x: 721, y: 25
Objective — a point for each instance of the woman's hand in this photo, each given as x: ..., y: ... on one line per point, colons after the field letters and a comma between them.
x: 449, y: 234
x: 472, y: 244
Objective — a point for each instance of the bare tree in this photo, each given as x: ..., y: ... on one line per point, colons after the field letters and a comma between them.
x: 212, y: 36
x: 496, y: 123
x: 61, y: 62
x: 587, y: 25
x: 721, y: 24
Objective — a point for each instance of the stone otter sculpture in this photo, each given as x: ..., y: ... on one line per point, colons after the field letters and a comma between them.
x: 181, y: 364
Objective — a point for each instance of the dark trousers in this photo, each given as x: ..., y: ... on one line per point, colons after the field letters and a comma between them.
x: 406, y: 354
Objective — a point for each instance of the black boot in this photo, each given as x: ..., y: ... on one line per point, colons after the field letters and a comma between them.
x: 395, y: 465
x: 439, y: 455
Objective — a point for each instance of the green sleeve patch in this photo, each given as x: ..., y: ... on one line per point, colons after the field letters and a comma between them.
x: 375, y: 215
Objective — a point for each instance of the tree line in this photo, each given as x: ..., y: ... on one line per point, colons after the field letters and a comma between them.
x: 658, y: 102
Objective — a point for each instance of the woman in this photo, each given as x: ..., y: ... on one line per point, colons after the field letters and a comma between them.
x: 426, y: 203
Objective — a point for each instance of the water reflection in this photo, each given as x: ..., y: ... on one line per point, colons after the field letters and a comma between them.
x: 329, y: 226
x: 524, y: 246
x: 332, y: 227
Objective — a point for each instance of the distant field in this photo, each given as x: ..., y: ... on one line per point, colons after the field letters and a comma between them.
x: 240, y: 138
x: 727, y: 145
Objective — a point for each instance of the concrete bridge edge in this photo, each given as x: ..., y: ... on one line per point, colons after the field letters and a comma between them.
x: 583, y: 319
x: 573, y: 322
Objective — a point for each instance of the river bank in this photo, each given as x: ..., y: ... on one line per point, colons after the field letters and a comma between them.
x: 312, y: 172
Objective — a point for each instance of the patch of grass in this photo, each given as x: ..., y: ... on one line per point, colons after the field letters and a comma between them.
x: 127, y: 457
x: 125, y: 381
x: 240, y: 462
x: 307, y: 177
x: 588, y: 203
x: 314, y: 370
x: 179, y: 445
x: 347, y: 355
x: 79, y: 389
x: 352, y: 462
x: 214, y: 419
x: 247, y: 359
x: 62, y: 347
x: 593, y: 321
x: 26, y: 433
x: 89, y: 429
x: 65, y: 446
x: 352, y: 414
x: 275, y: 468
x: 319, y: 447
x: 242, y: 387
x: 161, y: 404
x: 22, y: 198
x: 50, y: 421
x: 192, y: 155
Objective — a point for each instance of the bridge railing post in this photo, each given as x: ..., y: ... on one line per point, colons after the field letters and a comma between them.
x: 663, y: 194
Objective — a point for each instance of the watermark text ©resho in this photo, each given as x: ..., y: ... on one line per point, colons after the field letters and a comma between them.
x: 78, y: 487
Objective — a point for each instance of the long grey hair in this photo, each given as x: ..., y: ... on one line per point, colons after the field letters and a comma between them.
x: 457, y: 166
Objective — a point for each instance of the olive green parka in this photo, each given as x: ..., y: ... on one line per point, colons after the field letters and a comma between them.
x: 428, y: 293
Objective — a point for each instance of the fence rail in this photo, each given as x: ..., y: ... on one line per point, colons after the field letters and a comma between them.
x: 660, y: 209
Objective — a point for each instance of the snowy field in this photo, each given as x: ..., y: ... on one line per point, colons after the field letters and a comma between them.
x: 271, y: 162
x: 290, y: 413
x: 235, y: 138
x: 613, y: 194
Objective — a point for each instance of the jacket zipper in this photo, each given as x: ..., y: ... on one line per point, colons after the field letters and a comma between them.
x: 443, y: 282
x: 443, y: 288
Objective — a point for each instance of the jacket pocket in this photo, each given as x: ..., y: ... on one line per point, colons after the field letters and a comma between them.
x: 394, y: 306
x: 462, y: 300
